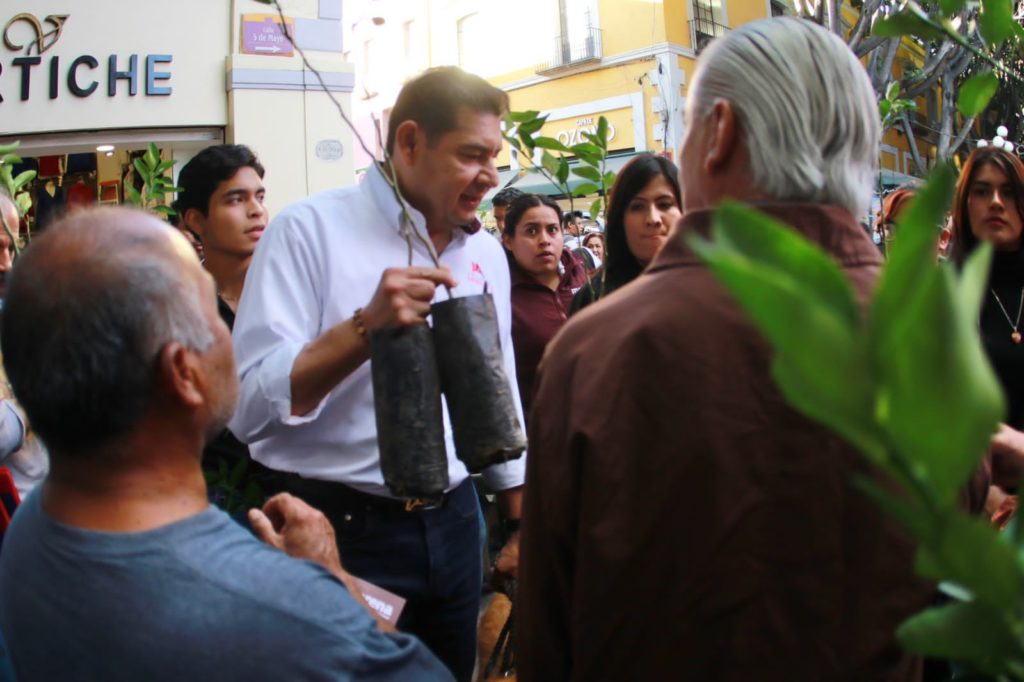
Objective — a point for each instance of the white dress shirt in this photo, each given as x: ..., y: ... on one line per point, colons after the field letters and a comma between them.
x: 319, y: 260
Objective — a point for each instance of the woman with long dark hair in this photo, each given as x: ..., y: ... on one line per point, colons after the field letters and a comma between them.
x: 643, y: 205
x: 989, y: 207
x: 545, y: 275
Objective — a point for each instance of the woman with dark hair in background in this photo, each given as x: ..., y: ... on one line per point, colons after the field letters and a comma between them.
x: 989, y: 207
x: 643, y: 206
x: 545, y: 275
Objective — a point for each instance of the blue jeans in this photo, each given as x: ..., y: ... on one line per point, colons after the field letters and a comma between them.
x: 430, y: 557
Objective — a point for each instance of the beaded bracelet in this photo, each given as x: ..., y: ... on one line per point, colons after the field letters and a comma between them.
x: 357, y: 320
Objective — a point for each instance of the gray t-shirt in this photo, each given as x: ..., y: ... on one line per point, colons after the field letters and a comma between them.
x: 200, y: 599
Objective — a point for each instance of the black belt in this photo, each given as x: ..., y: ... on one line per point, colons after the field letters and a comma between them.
x: 331, y: 494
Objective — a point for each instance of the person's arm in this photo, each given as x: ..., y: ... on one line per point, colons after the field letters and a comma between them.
x: 507, y: 479
x: 280, y: 342
x: 402, y: 298
x: 302, y: 532
x: 12, y: 429
x: 1007, y: 452
x: 510, y: 503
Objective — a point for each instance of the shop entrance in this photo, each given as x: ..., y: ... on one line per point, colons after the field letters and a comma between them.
x: 92, y: 167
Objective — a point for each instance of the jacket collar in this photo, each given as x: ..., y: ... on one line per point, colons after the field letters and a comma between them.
x: 831, y: 228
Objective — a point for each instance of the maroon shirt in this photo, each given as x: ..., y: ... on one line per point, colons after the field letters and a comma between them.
x: 537, y: 315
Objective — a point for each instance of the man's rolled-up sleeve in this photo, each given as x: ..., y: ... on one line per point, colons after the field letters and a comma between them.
x: 279, y: 313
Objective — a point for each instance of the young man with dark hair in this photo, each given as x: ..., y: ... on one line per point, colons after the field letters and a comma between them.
x: 501, y: 201
x: 221, y: 203
x: 119, y: 569
x: 335, y: 268
x: 572, y: 224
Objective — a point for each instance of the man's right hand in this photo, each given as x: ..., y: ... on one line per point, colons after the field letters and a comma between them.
x: 403, y: 296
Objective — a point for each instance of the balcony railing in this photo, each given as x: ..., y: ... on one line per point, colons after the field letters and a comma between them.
x: 579, y: 50
x: 703, y: 31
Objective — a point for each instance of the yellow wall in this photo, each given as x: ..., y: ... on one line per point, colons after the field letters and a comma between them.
x: 631, y: 24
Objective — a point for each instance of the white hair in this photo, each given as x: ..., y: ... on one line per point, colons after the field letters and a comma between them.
x: 804, y: 105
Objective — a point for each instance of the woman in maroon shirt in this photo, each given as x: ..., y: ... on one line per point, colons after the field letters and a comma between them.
x: 545, y: 275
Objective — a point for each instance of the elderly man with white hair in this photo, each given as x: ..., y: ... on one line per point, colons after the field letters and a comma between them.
x: 681, y: 520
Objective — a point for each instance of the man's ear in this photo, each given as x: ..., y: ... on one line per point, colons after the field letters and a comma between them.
x: 723, y: 136
x: 179, y: 370
x: 193, y: 220
x: 407, y: 141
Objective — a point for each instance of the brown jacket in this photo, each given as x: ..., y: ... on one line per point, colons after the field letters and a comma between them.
x: 681, y: 521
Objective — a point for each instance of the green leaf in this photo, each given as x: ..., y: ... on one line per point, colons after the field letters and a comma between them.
x: 23, y: 178
x: 951, y: 7
x: 995, y: 21
x: 550, y: 164
x: 23, y: 202
x: 884, y: 107
x: 906, y: 24
x: 11, y: 159
x: 893, y: 90
x: 550, y: 143
x: 522, y: 116
x: 563, y: 173
x: 595, y: 208
x: 761, y: 238
x: 602, y: 132
x: 919, y: 378
x: 974, y: 280
x: 585, y: 188
x: 132, y: 195
x: 969, y: 632
x: 801, y: 301
x: 587, y: 172
x: 165, y: 166
x: 152, y: 155
x: 609, y: 178
x: 6, y: 149
x: 971, y: 553
x: 914, y: 253
x: 976, y: 92
x: 142, y: 170
x: 586, y: 149
x: 528, y: 128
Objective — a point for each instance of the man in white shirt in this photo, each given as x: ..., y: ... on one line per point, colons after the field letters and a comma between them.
x: 334, y: 267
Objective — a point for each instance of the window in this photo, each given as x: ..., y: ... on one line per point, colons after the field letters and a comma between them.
x: 706, y: 24
x: 579, y: 38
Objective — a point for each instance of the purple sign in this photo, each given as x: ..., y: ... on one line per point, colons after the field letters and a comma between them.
x: 262, y: 34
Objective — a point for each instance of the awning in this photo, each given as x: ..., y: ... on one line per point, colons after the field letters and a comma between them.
x: 505, y: 178
x: 534, y: 182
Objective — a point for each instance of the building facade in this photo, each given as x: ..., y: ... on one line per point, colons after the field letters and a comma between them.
x: 87, y: 87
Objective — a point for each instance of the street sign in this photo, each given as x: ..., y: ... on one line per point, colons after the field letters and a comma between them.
x: 262, y: 34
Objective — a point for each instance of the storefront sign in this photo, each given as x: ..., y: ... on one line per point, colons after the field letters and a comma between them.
x: 262, y: 34
x: 569, y: 131
x: 81, y: 76
x: 587, y: 124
